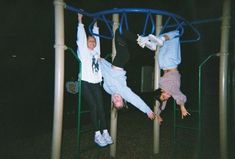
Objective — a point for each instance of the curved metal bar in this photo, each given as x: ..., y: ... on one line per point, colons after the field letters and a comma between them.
x: 139, y: 10
x: 198, y: 36
x: 145, y: 24
x: 90, y: 28
x: 165, y: 25
x: 149, y: 16
x: 179, y: 27
x: 81, y: 11
x: 123, y: 19
x: 126, y: 22
x: 188, y: 24
x: 153, y: 24
x: 108, y: 25
x: 179, y: 21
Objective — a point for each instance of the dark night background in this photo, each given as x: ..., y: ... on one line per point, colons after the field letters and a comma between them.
x: 27, y: 62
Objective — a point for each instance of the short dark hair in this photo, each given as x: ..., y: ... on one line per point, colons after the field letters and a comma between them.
x: 157, y: 94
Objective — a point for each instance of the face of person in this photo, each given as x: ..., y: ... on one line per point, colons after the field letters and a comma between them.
x: 117, y: 101
x: 164, y: 96
x: 91, y: 42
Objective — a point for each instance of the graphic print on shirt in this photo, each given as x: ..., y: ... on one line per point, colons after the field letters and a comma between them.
x: 95, y: 65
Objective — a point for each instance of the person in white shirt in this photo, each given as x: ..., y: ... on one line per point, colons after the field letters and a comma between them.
x: 89, y: 52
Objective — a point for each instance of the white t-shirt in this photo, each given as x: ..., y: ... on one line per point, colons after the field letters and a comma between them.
x: 89, y: 58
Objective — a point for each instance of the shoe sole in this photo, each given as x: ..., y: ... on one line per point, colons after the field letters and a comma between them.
x: 110, y: 143
x: 100, y: 145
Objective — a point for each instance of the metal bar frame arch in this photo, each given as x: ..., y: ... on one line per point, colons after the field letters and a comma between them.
x: 59, y: 62
x: 178, y: 21
x: 59, y: 70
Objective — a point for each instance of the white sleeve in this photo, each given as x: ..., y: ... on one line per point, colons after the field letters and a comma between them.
x: 135, y: 100
x: 81, y: 41
x: 96, y: 31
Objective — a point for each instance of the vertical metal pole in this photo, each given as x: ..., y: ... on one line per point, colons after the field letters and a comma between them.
x: 156, y: 126
x: 200, y: 101
x: 79, y: 99
x: 79, y: 106
x: 59, y: 79
x: 114, y: 113
x: 223, y: 101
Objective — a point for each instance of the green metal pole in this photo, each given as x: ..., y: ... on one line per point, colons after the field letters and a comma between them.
x: 79, y: 99
x: 200, y: 83
x: 200, y: 98
x: 223, y: 101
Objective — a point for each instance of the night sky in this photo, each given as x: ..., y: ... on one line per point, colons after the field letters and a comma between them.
x: 27, y: 52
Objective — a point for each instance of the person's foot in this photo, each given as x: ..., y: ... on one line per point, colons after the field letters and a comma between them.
x: 107, y: 137
x: 150, y: 41
x: 99, y: 140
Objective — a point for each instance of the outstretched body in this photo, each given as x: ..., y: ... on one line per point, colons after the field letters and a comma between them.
x: 114, y: 76
x: 169, y: 58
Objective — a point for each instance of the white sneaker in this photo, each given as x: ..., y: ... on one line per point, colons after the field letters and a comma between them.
x: 151, y: 45
x: 141, y: 44
x: 107, y: 137
x: 141, y: 40
x: 99, y: 140
x: 155, y: 39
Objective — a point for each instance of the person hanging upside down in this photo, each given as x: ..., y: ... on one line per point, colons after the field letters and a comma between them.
x: 169, y: 58
x: 114, y: 76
